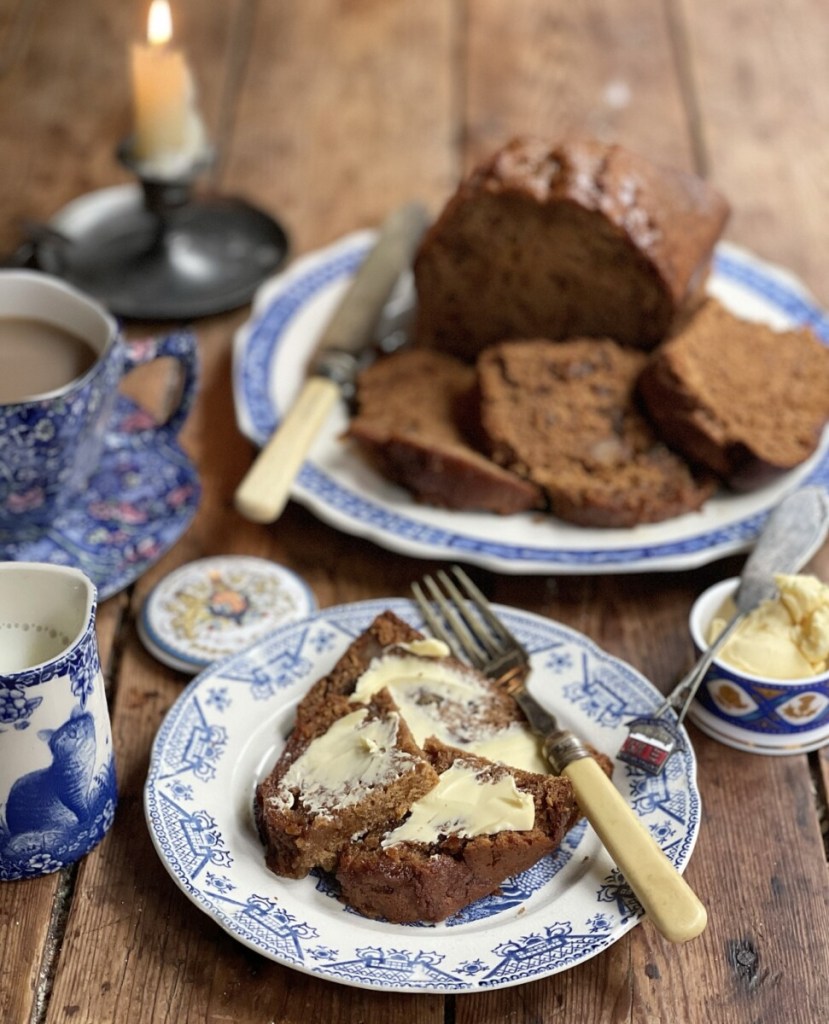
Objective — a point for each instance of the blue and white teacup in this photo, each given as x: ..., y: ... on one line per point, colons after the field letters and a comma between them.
x: 57, y: 771
x: 62, y: 357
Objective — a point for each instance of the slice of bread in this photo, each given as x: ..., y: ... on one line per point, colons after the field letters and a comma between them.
x: 431, y: 870
x: 415, y: 422
x: 388, y: 690
x: 436, y: 694
x: 736, y: 396
x: 565, y: 415
x: 350, y: 769
x: 576, y: 239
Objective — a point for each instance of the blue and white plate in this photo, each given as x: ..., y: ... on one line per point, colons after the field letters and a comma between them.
x: 224, y: 733
x: 140, y: 500
x: 272, y: 351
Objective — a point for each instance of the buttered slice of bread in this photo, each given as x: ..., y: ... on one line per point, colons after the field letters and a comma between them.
x: 411, y: 777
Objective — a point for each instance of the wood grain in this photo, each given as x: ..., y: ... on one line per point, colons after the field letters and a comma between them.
x: 328, y: 115
x: 593, y: 68
x: 758, y: 69
x: 354, y: 132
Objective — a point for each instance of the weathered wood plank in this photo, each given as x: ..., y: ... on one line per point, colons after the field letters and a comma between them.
x: 334, y: 141
x: 591, y: 68
x: 761, y: 79
x: 767, y: 867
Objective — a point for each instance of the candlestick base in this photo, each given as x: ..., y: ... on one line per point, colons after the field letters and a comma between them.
x: 154, y: 251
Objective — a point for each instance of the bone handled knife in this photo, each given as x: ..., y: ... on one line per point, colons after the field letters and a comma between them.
x: 264, y: 491
x: 670, y: 903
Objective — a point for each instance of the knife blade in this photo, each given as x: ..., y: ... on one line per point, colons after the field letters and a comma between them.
x: 670, y: 903
x: 264, y: 491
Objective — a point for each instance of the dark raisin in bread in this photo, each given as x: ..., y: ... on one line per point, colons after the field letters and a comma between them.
x: 564, y: 414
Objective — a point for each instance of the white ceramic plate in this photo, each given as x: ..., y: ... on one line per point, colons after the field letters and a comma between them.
x: 270, y: 356
x: 223, y: 735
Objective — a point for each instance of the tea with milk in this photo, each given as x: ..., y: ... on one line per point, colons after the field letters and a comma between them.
x: 37, y: 357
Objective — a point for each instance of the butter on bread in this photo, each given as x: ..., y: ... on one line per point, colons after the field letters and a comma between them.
x: 458, y: 856
x: 357, y: 767
x: 373, y: 720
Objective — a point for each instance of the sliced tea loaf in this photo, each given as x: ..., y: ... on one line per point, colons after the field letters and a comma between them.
x: 744, y: 400
x: 480, y: 825
x: 565, y: 415
x: 415, y: 420
x: 349, y: 769
x: 412, y: 777
x: 576, y: 239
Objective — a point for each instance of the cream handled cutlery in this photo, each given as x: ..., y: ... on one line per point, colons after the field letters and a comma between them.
x: 349, y: 335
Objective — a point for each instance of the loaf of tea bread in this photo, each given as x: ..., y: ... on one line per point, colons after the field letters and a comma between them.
x: 565, y: 415
x: 747, y: 401
x: 416, y: 421
x: 565, y: 240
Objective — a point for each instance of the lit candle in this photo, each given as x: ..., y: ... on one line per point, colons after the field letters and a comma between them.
x: 169, y: 134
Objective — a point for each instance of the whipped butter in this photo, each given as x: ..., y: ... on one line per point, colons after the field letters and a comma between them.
x: 439, y: 699
x: 357, y: 753
x: 465, y: 803
x: 786, y: 637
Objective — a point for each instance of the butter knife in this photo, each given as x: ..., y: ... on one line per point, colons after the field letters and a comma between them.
x: 349, y: 334
x: 670, y: 903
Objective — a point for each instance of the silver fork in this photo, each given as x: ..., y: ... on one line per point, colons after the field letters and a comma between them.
x: 484, y: 638
x: 458, y: 613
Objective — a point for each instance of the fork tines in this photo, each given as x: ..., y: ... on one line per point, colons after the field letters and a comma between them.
x: 464, y: 619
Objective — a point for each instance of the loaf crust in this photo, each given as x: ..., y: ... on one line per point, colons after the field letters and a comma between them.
x: 565, y: 415
x: 568, y: 240
x: 416, y: 423
x: 742, y: 399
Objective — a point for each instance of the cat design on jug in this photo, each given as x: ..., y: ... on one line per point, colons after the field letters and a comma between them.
x: 54, y: 801
x: 58, y: 789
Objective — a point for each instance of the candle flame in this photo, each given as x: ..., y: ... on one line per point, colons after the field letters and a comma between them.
x: 159, y: 23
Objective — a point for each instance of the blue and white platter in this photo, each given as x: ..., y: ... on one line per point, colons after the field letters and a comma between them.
x: 224, y: 733
x: 140, y: 500
x: 272, y: 350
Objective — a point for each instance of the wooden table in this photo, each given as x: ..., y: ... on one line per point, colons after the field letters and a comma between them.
x: 329, y: 114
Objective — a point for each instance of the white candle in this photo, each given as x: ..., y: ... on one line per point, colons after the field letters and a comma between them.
x: 169, y: 134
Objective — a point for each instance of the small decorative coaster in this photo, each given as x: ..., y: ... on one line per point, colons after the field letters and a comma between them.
x: 214, y: 607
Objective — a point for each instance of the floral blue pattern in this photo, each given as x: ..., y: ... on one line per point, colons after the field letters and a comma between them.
x: 208, y: 755
x: 48, y: 445
x: 138, y: 503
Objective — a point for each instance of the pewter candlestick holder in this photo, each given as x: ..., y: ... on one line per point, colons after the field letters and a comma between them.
x: 162, y: 251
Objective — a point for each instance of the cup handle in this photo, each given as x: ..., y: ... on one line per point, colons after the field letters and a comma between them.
x: 181, y: 346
